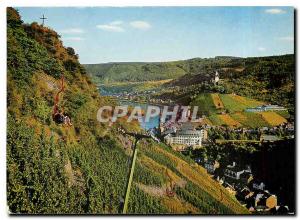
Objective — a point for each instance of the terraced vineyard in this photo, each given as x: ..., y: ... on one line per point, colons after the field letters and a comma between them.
x: 217, y: 101
x: 194, y: 192
x: 229, y: 109
x: 250, y: 119
x: 246, y: 101
x: 205, y: 103
x: 235, y: 103
x: 272, y: 118
x: 215, y: 120
x: 229, y: 120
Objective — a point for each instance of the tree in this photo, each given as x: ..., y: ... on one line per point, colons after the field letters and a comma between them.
x: 70, y: 51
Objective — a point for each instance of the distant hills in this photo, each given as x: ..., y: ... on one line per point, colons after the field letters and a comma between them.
x: 132, y: 72
x: 149, y: 71
x: 269, y: 79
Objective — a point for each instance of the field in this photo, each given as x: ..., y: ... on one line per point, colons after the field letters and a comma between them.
x: 246, y: 101
x: 216, y: 120
x: 205, y: 103
x: 284, y: 114
x: 273, y: 118
x: 236, y: 116
x: 217, y: 101
x: 235, y: 103
x: 250, y: 119
x: 229, y: 120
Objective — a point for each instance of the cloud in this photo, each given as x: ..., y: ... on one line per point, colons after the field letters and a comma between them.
x: 74, y: 38
x: 142, y: 25
x: 116, y: 23
x: 261, y: 49
x: 274, y: 11
x: 118, y: 26
x: 112, y: 28
x: 287, y: 38
x: 72, y: 31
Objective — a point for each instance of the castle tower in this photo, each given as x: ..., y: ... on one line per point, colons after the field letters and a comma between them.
x: 217, y: 78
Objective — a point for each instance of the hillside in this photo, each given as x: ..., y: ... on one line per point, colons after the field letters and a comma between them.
x: 83, y: 169
x: 119, y: 72
x: 269, y: 79
x: 133, y: 72
x: 196, y: 192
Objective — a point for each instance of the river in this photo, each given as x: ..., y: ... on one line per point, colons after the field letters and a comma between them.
x: 153, y: 122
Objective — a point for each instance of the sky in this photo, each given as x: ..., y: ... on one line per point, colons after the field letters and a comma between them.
x: 150, y: 34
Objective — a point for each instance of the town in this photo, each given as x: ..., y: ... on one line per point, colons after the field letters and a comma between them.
x: 238, y: 179
x: 190, y: 137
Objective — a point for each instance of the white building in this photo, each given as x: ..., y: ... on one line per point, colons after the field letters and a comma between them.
x: 204, y: 134
x: 185, y: 137
x: 234, y: 172
x: 258, y: 186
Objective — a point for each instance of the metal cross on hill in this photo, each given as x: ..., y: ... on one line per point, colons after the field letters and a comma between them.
x: 43, y: 18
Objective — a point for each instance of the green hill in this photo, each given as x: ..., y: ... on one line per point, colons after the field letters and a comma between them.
x: 270, y: 79
x: 147, y: 71
x: 133, y: 72
x: 83, y: 169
